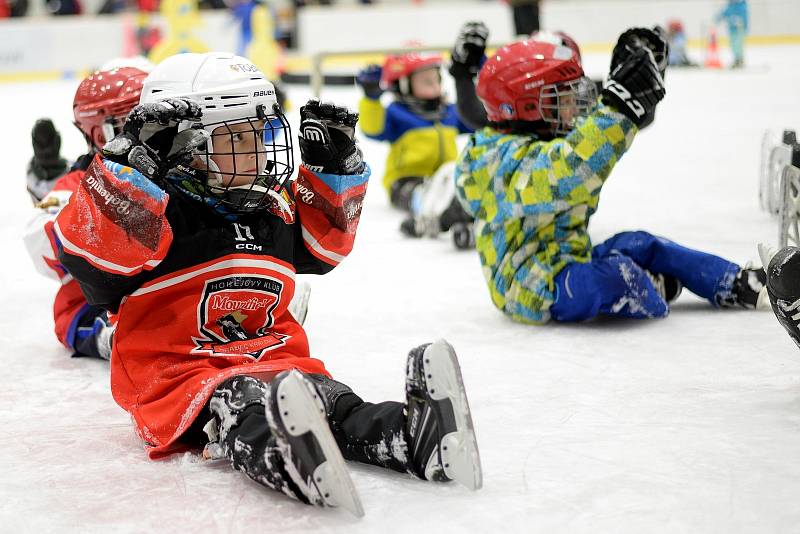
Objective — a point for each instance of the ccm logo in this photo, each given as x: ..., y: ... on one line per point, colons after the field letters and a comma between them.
x: 263, y: 93
x: 248, y: 246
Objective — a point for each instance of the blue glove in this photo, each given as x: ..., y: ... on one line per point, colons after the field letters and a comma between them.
x: 369, y: 79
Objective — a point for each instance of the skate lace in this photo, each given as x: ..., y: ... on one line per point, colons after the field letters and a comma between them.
x: 792, y: 307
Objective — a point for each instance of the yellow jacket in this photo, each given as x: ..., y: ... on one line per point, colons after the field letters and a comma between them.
x: 418, y: 146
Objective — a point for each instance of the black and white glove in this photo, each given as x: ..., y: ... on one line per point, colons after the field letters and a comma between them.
x: 327, y: 138
x: 635, y: 87
x: 633, y: 39
x: 144, y: 122
x: 470, y: 49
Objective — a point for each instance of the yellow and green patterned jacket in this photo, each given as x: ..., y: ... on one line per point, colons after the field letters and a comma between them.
x: 532, y: 201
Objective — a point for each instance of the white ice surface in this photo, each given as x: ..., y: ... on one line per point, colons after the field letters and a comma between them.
x: 686, y: 424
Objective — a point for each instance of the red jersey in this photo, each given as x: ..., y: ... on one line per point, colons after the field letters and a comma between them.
x: 199, y: 296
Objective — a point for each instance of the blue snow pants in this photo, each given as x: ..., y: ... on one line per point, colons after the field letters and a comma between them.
x: 614, y: 282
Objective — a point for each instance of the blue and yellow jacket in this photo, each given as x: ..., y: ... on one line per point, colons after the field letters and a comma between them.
x: 418, y: 146
x: 532, y: 201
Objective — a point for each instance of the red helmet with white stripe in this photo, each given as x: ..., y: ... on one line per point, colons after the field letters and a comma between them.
x: 535, y: 82
x: 559, y: 38
x: 103, y: 101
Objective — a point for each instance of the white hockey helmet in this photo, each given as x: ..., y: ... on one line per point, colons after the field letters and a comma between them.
x: 230, y: 90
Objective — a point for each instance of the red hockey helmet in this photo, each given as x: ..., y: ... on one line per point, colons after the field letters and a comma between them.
x: 532, y: 81
x: 674, y: 26
x: 399, y: 68
x: 559, y: 38
x: 103, y: 100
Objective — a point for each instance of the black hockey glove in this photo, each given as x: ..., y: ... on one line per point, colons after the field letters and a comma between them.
x: 144, y: 123
x: 469, y: 51
x: 327, y: 138
x: 635, y: 87
x: 635, y: 38
x: 369, y: 79
x: 46, y: 163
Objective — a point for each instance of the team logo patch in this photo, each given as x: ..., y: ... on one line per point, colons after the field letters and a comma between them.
x: 235, y: 316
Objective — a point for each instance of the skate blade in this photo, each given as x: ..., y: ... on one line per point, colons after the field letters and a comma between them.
x: 763, y: 303
x: 302, y: 411
x: 766, y: 253
x: 460, y: 457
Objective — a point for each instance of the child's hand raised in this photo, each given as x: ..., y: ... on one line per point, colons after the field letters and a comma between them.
x: 369, y: 78
x: 134, y: 146
x: 327, y: 138
x: 635, y: 39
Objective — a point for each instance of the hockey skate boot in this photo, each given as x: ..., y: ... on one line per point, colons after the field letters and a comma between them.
x: 439, y: 431
x: 783, y: 288
x: 296, y: 417
x: 667, y: 286
x: 463, y: 236
x: 749, y: 289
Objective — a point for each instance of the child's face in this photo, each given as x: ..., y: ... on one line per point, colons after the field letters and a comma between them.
x: 567, y: 109
x: 239, y: 152
x: 426, y: 84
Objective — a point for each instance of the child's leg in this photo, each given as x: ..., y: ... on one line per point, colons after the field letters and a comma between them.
x: 613, y: 285
x: 402, y: 190
x: 277, y: 435
x: 705, y: 275
x: 365, y: 432
x: 430, y: 435
x: 737, y: 44
x: 93, y: 333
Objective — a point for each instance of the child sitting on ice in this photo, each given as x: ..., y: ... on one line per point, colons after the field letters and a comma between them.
x: 420, y: 125
x: 532, y: 180
x: 192, y: 234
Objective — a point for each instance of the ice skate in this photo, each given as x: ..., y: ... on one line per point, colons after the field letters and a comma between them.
x: 441, y: 438
x: 783, y: 287
x: 435, y: 209
x: 749, y: 289
x: 667, y: 286
x: 296, y: 416
x: 776, y: 153
x: 789, y: 209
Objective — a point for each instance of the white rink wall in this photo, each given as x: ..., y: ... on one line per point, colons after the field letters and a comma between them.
x: 41, y: 44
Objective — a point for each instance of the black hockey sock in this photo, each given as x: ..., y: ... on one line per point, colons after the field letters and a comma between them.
x: 365, y: 432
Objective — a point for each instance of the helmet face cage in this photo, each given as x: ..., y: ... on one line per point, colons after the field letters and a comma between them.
x: 248, y: 160
x: 563, y: 103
